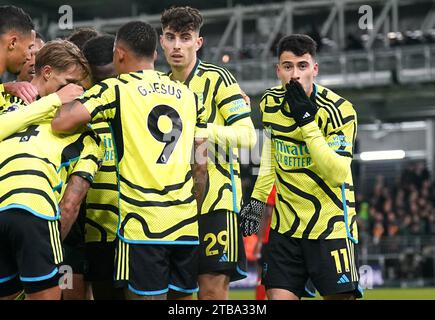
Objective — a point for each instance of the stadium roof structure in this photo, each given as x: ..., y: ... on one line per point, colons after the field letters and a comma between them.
x: 89, y: 9
x: 253, y: 25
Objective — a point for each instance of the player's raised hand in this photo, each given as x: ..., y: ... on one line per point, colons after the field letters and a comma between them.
x: 301, y: 106
x: 23, y: 90
x: 69, y: 93
x: 250, y: 216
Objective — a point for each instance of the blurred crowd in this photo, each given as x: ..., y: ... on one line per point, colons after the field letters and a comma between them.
x: 405, y: 207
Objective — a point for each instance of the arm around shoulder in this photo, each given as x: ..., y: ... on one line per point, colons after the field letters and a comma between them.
x: 24, y: 116
x: 69, y: 117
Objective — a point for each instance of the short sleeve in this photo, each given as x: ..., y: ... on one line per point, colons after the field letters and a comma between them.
x: 91, y: 157
x: 102, y: 100
x: 230, y: 102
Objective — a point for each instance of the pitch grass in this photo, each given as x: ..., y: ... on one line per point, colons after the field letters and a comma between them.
x: 369, y: 294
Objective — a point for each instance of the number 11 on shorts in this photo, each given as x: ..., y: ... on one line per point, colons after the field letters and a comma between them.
x: 336, y: 255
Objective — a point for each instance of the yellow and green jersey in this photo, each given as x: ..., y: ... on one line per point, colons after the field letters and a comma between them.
x: 10, y: 103
x: 102, y: 198
x: 221, y: 96
x: 35, y: 164
x: 309, y: 203
x: 154, y: 122
x: 25, y: 115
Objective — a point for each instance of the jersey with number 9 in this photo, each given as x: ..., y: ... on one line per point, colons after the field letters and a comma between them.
x: 154, y: 122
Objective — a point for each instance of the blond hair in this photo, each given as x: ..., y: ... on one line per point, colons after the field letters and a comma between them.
x: 61, y: 55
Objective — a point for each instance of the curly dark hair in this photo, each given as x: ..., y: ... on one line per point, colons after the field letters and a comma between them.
x: 181, y: 19
x: 299, y: 44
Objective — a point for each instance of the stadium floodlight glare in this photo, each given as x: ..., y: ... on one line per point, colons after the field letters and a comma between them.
x: 382, y: 155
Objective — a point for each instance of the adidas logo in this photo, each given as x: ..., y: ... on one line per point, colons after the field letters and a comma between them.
x: 306, y: 115
x: 224, y: 258
x: 343, y: 279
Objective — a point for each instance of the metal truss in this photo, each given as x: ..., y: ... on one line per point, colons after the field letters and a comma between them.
x: 329, y: 18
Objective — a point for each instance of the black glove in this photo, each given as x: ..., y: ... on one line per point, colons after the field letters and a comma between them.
x: 301, y: 106
x: 250, y: 216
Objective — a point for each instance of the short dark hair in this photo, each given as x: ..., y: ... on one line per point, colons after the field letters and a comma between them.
x: 14, y: 18
x: 299, y: 44
x: 140, y: 37
x: 81, y: 35
x: 182, y: 19
x: 99, y: 50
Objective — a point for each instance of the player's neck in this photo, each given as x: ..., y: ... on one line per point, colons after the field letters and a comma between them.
x: 138, y: 65
x: 182, y: 73
x: 310, y: 93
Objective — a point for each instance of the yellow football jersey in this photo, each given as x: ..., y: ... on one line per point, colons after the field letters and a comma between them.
x: 220, y: 94
x: 25, y: 115
x: 102, y: 197
x: 154, y: 122
x: 35, y: 164
x: 10, y: 103
x: 307, y: 204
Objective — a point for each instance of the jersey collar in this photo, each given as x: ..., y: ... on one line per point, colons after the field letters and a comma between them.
x: 314, y: 93
x: 192, y: 73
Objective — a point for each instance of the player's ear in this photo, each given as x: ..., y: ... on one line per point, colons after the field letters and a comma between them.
x: 46, y: 72
x: 12, y: 42
x: 119, y: 54
x: 199, y: 43
x: 316, y: 68
x: 155, y: 55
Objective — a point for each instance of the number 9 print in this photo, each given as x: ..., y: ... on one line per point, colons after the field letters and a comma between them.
x: 170, y: 139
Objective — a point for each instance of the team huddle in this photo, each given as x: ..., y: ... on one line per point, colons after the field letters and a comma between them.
x: 131, y: 176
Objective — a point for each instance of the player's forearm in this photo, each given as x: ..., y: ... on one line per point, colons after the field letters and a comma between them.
x: 14, y: 121
x: 199, y: 171
x: 70, y: 117
x: 333, y: 167
x: 266, y: 175
x: 239, y: 134
x: 70, y: 204
x: 200, y: 178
